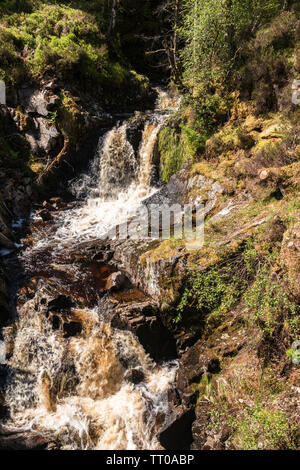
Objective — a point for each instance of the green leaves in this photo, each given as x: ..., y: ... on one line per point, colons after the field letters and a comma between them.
x: 209, y: 294
x: 214, y: 32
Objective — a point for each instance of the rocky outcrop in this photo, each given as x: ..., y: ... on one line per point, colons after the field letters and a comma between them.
x: 177, y: 434
x: 61, y: 130
x: 24, y: 440
x: 15, y: 197
x: 142, y: 319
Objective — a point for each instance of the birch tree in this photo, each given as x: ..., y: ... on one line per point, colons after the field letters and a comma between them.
x: 214, y: 31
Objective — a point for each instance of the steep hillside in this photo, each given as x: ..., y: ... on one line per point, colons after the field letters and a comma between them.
x: 234, y: 305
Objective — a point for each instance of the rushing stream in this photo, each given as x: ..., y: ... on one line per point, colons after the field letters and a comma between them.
x: 72, y: 388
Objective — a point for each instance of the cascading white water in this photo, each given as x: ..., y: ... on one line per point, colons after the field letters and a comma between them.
x: 74, y: 390
x: 100, y: 410
x: 123, y: 181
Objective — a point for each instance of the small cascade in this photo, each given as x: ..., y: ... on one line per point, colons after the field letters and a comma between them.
x: 118, y: 164
x: 76, y: 391
x: 124, y: 180
x: 68, y: 378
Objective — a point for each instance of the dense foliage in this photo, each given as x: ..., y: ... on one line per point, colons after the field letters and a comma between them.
x: 88, y: 43
x: 215, y: 32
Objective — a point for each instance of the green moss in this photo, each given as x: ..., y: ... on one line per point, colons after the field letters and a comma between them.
x: 174, y: 151
x: 227, y: 139
x: 65, y: 42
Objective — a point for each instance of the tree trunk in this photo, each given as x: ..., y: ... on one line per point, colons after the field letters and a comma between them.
x: 113, y: 7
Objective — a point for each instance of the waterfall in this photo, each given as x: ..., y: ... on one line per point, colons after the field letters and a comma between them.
x: 74, y: 388
x: 120, y: 176
x: 88, y: 405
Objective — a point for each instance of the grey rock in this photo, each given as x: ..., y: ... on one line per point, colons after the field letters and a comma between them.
x: 43, y: 137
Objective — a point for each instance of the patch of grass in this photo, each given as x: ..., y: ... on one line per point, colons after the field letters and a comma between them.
x: 262, y: 428
x: 269, y: 304
x: 209, y: 294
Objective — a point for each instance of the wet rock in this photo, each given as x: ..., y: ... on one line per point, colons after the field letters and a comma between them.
x: 104, y: 256
x: 4, y: 300
x: 212, y: 443
x: 46, y: 205
x: 199, y: 429
x: 275, y: 230
x: 66, y: 378
x: 22, y: 440
x: 142, y: 319
x: 134, y: 376
x: 4, y: 411
x: 6, y: 242
x: 33, y: 100
x: 3, y: 284
x: 45, y: 215
x: 174, y: 398
x: 177, y: 434
x: 72, y: 329
x: 192, y: 365
x: 180, y: 184
x: 5, y: 221
x: 214, y: 366
x: 59, y: 311
x: 61, y: 303
x: 4, y: 310
x: 116, y: 281
x: 172, y: 193
x: 3, y: 375
x: 43, y: 136
x: 134, y: 131
x: 185, y: 341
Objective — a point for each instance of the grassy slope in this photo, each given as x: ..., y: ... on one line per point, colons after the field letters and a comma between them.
x: 70, y: 41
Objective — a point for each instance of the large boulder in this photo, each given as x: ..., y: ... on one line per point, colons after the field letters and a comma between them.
x: 43, y: 136
x: 143, y: 320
